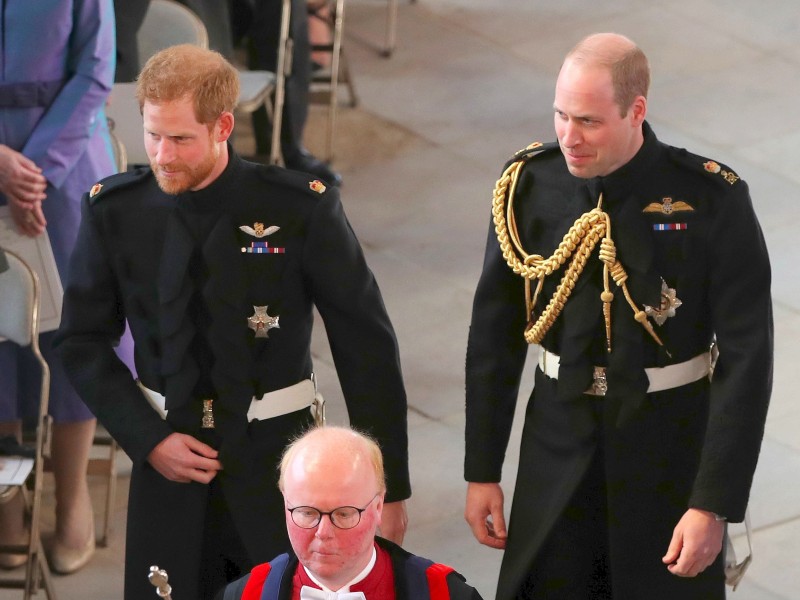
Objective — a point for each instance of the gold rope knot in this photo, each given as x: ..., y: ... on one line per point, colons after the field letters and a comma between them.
x: 576, y: 246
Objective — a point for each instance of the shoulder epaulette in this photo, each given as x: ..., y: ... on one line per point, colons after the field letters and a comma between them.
x: 295, y: 179
x: 715, y: 170
x: 529, y: 152
x: 118, y: 181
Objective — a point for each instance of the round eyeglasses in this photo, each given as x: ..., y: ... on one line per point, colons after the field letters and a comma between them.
x: 344, y: 517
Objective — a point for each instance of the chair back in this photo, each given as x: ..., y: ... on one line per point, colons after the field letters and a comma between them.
x: 19, y: 316
x: 123, y: 111
x: 118, y: 147
x: 166, y: 24
x: 19, y: 299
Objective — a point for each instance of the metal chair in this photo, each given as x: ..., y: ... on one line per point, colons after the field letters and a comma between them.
x: 390, y: 39
x: 168, y: 23
x: 123, y: 112
x: 104, y: 465
x: 326, y: 81
x: 117, y: 147
x: 19, y: 323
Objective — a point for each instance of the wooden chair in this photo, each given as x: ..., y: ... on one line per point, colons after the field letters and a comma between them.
x: 19, y: 323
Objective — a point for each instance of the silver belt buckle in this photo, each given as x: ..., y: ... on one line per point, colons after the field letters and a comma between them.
x: 208, y: 415
x: 599, y: 381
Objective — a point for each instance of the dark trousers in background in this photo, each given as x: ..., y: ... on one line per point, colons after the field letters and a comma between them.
x: 260, y: 21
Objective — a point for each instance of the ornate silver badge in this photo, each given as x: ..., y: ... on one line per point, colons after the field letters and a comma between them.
x: 669, y: 302
x: 261, y: 322
x: 208, y: 415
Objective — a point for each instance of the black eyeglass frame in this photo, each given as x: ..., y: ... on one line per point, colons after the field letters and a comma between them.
x: 330, y: 514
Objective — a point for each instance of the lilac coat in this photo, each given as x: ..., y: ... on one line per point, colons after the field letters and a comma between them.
x: 64, y: 50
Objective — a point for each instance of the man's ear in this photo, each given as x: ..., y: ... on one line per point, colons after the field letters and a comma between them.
x: 224, y: 127
x: 638, y: 111
x: 379, y: 507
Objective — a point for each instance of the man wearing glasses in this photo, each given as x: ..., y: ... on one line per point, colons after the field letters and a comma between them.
x: 333, y: 486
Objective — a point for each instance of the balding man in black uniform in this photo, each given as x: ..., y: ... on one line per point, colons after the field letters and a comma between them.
x: 624, y: 258
x: 217, y: 263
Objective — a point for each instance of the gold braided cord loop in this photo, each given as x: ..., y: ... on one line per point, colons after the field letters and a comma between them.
x: 578, y: 243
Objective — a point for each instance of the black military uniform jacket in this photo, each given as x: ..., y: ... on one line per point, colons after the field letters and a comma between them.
x: 179, y: 270
x: 677, y: 219
x: 135, y: 259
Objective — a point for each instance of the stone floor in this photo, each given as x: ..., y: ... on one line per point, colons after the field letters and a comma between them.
x: 470, y: 82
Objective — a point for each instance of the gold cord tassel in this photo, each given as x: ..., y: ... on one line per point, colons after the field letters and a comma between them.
x: 577, y: 245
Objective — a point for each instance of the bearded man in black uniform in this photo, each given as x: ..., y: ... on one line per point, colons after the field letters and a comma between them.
x: 216, y: 263
x: 632, y: 457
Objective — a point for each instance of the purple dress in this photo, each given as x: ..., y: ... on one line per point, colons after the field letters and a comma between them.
x: 56, y: 71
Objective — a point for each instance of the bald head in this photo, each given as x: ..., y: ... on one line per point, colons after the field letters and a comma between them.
x: 329, y: 472
x: 627, y: 64
x: 336, y: 453
x: 603, y: 47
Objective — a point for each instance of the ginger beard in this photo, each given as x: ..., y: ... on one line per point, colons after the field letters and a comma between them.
x: 178, y: 177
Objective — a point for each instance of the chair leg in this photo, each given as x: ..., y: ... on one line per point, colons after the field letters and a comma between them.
x: 111, y: 493
x: 37, y: 569
x: 348, y: 80
x: 328, y: 81
x: 46, y: 580
x: 391, y: 29
x: 106, y: 468
x: 38, y: 575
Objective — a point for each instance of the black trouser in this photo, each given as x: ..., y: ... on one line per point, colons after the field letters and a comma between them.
x: 573, y: 562
x: 608, y: 540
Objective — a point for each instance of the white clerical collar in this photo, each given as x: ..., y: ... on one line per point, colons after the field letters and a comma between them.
x: 346, y: 588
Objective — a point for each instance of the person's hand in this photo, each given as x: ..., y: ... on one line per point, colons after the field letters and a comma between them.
x: 696, y: 542
x: 484, y: 513
x: 182, y: 458
x: 28, y: 218
x: 394, y: 521
x: 20, y: 178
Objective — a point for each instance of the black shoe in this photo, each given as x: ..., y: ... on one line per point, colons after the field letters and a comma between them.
x: 308, y: 163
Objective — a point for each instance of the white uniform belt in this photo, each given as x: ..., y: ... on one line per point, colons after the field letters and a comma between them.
x: 661, y: 378
x: 273, y: 404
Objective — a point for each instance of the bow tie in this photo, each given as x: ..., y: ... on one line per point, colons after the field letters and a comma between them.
x: 309, y: 593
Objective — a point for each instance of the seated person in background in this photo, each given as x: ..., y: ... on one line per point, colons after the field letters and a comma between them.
x: 333, y: 485
x: 260, y: 22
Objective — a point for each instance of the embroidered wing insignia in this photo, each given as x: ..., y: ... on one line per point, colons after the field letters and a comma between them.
x: 667, y: 206
x: 258, y: 230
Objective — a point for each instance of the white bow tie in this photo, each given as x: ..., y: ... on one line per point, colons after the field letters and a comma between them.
x: 309, y: 593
